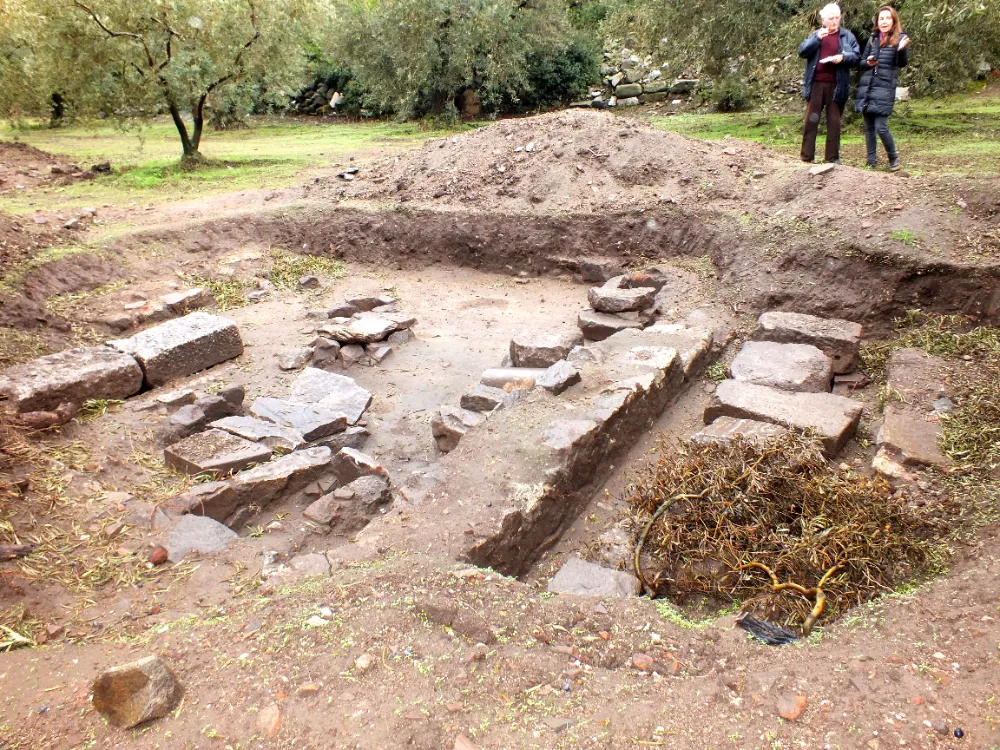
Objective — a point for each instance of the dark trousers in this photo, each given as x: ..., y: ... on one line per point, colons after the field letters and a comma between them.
x: 878, y: 125
x: 822, y: 98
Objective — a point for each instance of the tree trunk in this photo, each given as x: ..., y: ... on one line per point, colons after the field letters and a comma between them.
x: 198, y: 115
x: 190, y: 147
x: 58, y: 107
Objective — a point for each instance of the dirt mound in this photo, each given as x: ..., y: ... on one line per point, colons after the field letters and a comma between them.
x: 19, y: 241
x: 24, y: 167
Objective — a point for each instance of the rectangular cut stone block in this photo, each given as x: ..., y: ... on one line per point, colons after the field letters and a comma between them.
x: 693, y: 345
x: 215, y: 452
x: 613, y: 298
x: 331, y: 391
x: 725, y: 429
x: 262, y: 431
x: 910, y: 437
x: 790, y: 367
x: 597, y: 326
x: 577, y: 576
x: 833, y: 418
x: 542, y: 349
x: 287, y: 474
x: 183, y: 346
x: 74, y: 375
x: 309, y: 420
x: 486, y: 398
x: 213, y: 499
x: 838, y: 339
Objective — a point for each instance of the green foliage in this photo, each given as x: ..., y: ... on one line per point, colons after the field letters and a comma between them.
x: 731, y: 94
x: 414, y: 57
x: 562, y: 74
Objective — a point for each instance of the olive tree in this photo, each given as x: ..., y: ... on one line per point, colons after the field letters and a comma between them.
x: 137, y: 58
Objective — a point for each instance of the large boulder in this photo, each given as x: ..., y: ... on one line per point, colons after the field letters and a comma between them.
x: 135, y: 693
x: 74, y: 375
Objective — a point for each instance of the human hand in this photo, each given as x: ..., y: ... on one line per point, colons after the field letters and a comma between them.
x: 904, y: 42
x: 823, y: 32
x: 837, y: 59
x: 872, y: 62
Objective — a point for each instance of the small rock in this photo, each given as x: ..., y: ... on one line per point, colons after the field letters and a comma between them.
x: 351, y: 354
x: 309, y: 282
x: 295, y: 359
x: 134, y: 693
x: 558, y: 377
x: 940, y: 726
x: 269, y: 721
x: 643, y: 662
x: 199, y: 534
x: 450, y: 424
x: 399, y: 337
x: 944, y: 405
x: 158, y: 556
x: 363, y: 663
x: 310, y: 688
x: 791, y: 707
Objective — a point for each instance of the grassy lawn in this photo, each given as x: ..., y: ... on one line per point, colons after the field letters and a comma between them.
x: 272, y: 154
x: 955, y: 135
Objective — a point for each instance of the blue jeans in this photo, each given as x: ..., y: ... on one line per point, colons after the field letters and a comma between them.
x: 878, y: 125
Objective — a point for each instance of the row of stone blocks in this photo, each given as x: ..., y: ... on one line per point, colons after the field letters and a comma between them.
x: 174, y: 349
x: 783, y: 380
x: 509, y: 491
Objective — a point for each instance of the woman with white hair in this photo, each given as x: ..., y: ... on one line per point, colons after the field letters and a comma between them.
x: 830, y: 53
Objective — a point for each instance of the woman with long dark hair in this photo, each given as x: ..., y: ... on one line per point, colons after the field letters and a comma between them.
x: 886, y: 52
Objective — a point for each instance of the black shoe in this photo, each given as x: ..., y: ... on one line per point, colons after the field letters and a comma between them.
x: 807, y: 161
x: 894, y: 165
x: 834, y: 161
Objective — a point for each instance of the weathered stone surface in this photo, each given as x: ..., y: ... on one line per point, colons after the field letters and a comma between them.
x: 74, y: 375
x: 352, y: 437
x: 628, y: 89
x: 353, y: 506
x: 789, y: 367
x: 295, y: 359
x: 175, y: 399
x: 378, y: 353
x: 558, y: 377
x: 214, y: 452
x: 577, y: 576
x: 486, y: 398
x: 183, y: 346
x: 597, y: 326
x: 331, y: 391
x: 365, y: 329
x: 262, y: 431
x: 918, y: 378
x: 399, y: 338
x: 180, y: 303
x: 199, y: 534
x: 323, y: 510
x: 403, y: 321
x: 465, y: 622
x: 837, y: 339
x: 512, y: 378
x: 693, y: 344
x: 833, y: 418
x: 324, y: 352
x: 309, y: 565
x: 351, y: 354
x: 349, y: 464
x: 613, y: 298
x: 542, y: 349
x: 287, y: 474
x: 450, y: 424
x: 135, y: 693
x: 216, y: 500
x: 911, y: 437
x: 309, y: 420
x: 725, y: 429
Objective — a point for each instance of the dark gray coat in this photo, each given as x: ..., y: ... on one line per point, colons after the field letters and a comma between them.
x: 877, y: 87
x: 809, y: 49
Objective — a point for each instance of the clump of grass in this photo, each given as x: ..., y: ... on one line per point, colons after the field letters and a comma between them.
x: 17, y: 346
x: 61, y: 304
x: 94, y: 408
x: 719, y: 520
x: 716, y: 372
x: 905, y: 236
x: 287, y: 268
x: 229, y: 293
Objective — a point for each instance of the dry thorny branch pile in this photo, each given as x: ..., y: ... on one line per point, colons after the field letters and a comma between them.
x: 739, y: 522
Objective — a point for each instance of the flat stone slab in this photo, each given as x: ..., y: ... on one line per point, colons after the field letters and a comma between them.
x: 199, y: 534
x: 365, y: 329
x: 612, y: 297
x: 837, y: 339
x: 486, y: 399
x: 262, y: 431
x: 214, y: 452
x: 584, y: 578
x: 726, y: 429
x: 597, y: 326
x: 312, y: 421
x: 558, y: 377
x: 693, y: 344
x: 182, y: 346
x: 833, y: 418
x: 349, y: 464
x: 262, y: 484
x: 542, y: 349
x: 190, y: 299
x: 351, y: 507
x: 74, y: 375
x: 451, y: 423
x: 918, y: 378
x: 331, y: 391
x: 789, y: 367
x: 216, y: 500
x: 909, y: 435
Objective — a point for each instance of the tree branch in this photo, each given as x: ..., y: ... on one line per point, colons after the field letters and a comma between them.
x: 109, y: 32
x: 239, y: 55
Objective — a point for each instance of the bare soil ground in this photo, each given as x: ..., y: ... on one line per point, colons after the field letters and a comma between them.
x: 477, y: 254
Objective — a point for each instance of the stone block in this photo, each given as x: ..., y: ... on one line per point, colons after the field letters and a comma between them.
x: 352, y: 437
x: 261, y: 431
x: 821, y: 169
x: 693, y: 345
x: 217, y: 500
x: 918, y: 378
x: 837, y: 339
x: 331, y: 391
x: 656, y: 87
x: 295, y: 358
x: 180, y: 303
x: 613, y: 297
x: 597, y: 326
x: 833, y: 418
x: 309, y: 420
x: 789, y: 367
x: 625, y: 90
x: 558, y: 377
x: 511, y: 378
x: 214, y: 452
x: 353, y: 506
x: 542, y: 349
x: 135, y: 693
x: 580, y: 577
x: 198, y: 534
x: 910, y: 437
x: 486, y: 399
x: 726, y: 429
x: 366, y: 329
x: 683, y: 85
x: 174, y: 400
x: 74, y: 375
x: 183, y: 346
x: 450, y: 424
x: 349, y: 464
x: 285, y: 475
x: 378, y: 353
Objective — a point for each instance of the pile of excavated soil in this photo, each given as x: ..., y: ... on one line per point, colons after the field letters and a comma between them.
x: 19, y: 241
x: 24, y: 167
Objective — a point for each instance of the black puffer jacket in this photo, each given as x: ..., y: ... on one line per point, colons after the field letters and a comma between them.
x: 877, y: 88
